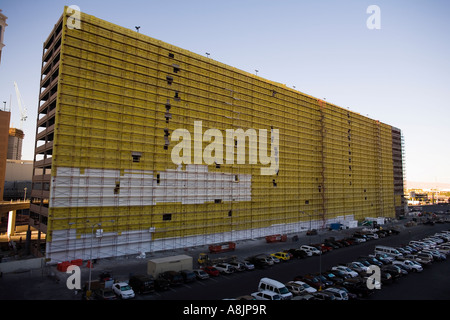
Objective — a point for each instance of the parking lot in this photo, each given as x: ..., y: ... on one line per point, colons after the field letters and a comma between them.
x: 433, y: 283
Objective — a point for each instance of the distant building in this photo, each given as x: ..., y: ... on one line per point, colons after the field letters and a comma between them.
x: 15, y: 140
x: 3, y: 25
x: 18, y: 178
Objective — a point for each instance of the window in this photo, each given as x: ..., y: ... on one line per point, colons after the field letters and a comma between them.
x: 136, y: 156
x: 176, y: 68
x: 167, y: 217
x: 171, y: 55
x: 217, y: 200
x: 169, y: 80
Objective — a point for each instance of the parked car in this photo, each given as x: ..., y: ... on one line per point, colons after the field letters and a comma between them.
x: 338, y: 273
x: 371, y: 236
x: 372, y: 260
x: 266, y: 295
x: 238, y: 266
x: 188, y: 276
x: 385, y: 258
x: 435, y: 254
x: 310, y: 250
x: 314, y: 281
x: 334, y: 277
x: 201, y: 274
x: 359, y: 237
x: 357, y: 287
x: 412, y: 266
x: 161, y: 284
x: 224, y: 268
x: 174, y: 278
x: 282, y: 256
x: 123, y: 290
x: 212, y: 271
x: 142, y: 283
x: 260, y: 262
x: 351, y: 295
x: 248, y: 265
x: 395, y: 271
x: 323, y: 295
x: 273, y: 259
x: 105, y: 294
x: 422, y: 260
x: 357, y: 266
x: 424, y: 255
x: 297, y: 253
x: 299, y: 287
x: 337, y: 293
x: 304, y: 296
x: 443, y: 249
x: 345, y: 270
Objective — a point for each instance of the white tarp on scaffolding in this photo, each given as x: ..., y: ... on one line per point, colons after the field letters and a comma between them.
x: 75, y: 187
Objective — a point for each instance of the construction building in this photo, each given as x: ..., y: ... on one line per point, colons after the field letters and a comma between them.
x: 143, y: 146
x: 15, y: 141
x: 3, y: 25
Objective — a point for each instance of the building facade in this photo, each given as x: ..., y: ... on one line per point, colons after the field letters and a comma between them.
x: 143, y: 146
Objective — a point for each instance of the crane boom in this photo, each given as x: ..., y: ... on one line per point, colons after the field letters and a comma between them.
x: 23, y: 110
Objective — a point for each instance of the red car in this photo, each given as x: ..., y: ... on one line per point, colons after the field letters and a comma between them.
x: 211, y: 271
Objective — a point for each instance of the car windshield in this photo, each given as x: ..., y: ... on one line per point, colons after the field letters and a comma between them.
x: 125, y: 288
x: 284, y: 290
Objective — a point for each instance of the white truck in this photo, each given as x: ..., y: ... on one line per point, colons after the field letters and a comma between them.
x: 172, y: 263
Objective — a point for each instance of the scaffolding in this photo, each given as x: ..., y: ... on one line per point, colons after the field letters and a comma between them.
x: 112, y: 104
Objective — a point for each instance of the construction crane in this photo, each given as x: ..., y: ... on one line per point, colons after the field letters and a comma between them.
x: 23, y: 110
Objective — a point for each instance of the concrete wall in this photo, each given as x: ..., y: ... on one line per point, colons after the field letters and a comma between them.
x: 21, y: 265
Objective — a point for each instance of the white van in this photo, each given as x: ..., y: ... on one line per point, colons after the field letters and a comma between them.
x: 388, y: 250
x: 310, y: 250
x: 267, y: 284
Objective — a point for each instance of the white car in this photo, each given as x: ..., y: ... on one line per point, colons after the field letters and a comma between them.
x: 248, y: 265
x: 346, y: 270
x: 305, y: 287
x: 200, y: 274
x: 123, y: 290
x: 410, y: 265
x: 311, y: 249
x: 224, y: 268
x: 266, y: 295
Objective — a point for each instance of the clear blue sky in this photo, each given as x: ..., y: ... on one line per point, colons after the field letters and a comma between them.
x: 399, y: 74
